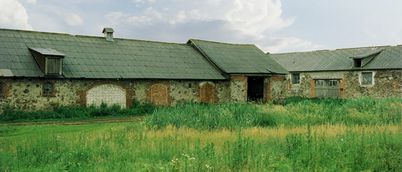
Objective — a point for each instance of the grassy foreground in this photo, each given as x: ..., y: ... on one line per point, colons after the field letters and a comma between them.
x: 131, y: 147
x: 333, y: 135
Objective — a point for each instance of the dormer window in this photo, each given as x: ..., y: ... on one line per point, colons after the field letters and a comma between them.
x: 50, y: 61
x: 53, y: 66
x: 361, y: 60
x: 357, y: 62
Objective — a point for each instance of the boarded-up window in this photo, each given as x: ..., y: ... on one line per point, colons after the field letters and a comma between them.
x: 207, y: 93
x: 48, y: 89
x: 108, y: 94
x: 159, y: 94
x: 53, y: 66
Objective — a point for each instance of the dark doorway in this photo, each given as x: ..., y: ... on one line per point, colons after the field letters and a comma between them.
x: 255, y: 89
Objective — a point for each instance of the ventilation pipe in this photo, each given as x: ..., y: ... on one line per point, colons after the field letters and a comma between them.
x: 108, y: 32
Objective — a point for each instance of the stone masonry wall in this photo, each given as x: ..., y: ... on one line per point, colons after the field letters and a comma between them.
x: 238, y: 88
x: 27, y: 93
x: 388, y: 83
x: 277, y: 88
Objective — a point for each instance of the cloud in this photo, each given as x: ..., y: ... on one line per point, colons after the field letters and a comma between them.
x: 31, y: 1
x: 220, y: 20
x: 289, y: 44
x: 73, y: 19
x: 13, y: 15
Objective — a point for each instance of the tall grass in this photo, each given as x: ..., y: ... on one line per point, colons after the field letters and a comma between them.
x: 362, y: 111
x: 64, y: 112
x: 208, y: 117
x: 132, y: 148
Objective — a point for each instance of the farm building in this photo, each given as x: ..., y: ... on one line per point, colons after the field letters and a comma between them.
x: 344, y: 73
x: 39, y: 70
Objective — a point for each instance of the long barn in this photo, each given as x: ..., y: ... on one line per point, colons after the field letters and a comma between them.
x: 39, y: 70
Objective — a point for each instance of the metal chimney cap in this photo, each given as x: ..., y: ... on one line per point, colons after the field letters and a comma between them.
x: 107, y: 30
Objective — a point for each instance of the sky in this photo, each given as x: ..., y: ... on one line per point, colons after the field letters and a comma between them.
x: 275, y: 26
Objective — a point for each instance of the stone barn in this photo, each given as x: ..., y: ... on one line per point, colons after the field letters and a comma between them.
x: 344, y: 73
x: 39, y: 70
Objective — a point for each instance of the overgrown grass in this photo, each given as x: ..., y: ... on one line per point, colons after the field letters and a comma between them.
x: 130, y: 147
x: 362, y: 111
x: 68, y: 112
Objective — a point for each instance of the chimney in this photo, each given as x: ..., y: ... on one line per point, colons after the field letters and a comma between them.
x: 108, y: 32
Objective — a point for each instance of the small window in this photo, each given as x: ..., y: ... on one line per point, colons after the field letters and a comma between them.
x: 367, y: 78
x: 295, y: 78
x: 2, y: 90
x: 48, y: 89
x: 357, y: 62
x: 53, y: 66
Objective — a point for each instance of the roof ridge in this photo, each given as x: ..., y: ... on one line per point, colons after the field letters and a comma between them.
x: 354, y: 48
x: 295, y: 52
x: 129, y: 39
x: 191, y: 39
x: 338, y: 49
x: 33, y: 31
x: 89, y: 36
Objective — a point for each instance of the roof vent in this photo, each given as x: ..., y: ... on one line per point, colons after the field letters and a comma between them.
x: 108, y: 32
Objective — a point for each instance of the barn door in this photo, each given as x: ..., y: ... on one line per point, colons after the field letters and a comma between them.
x: 159, y: 94
x: 326, y: 88
x: 207, y: 92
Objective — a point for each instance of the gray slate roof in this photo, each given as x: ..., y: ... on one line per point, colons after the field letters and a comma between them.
x: 385, y: 57
x: 238, y: 58
x: 47, y: 51
x: 94, y: 57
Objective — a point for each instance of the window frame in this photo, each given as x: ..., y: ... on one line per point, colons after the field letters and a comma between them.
x: 292, y: 78
x: 361, y: 78
x: 52, y: 92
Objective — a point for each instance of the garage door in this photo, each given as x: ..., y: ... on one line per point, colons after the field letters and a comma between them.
x: 325, y: 88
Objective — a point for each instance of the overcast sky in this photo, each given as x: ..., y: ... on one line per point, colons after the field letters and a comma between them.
x: 273, y: 25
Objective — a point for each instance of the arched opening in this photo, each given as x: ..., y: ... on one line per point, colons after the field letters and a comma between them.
x: 107, y: 93
x: 159, y: 94
x: 207, y: 92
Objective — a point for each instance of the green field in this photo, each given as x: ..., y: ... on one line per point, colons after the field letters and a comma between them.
x: 333, y: 135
